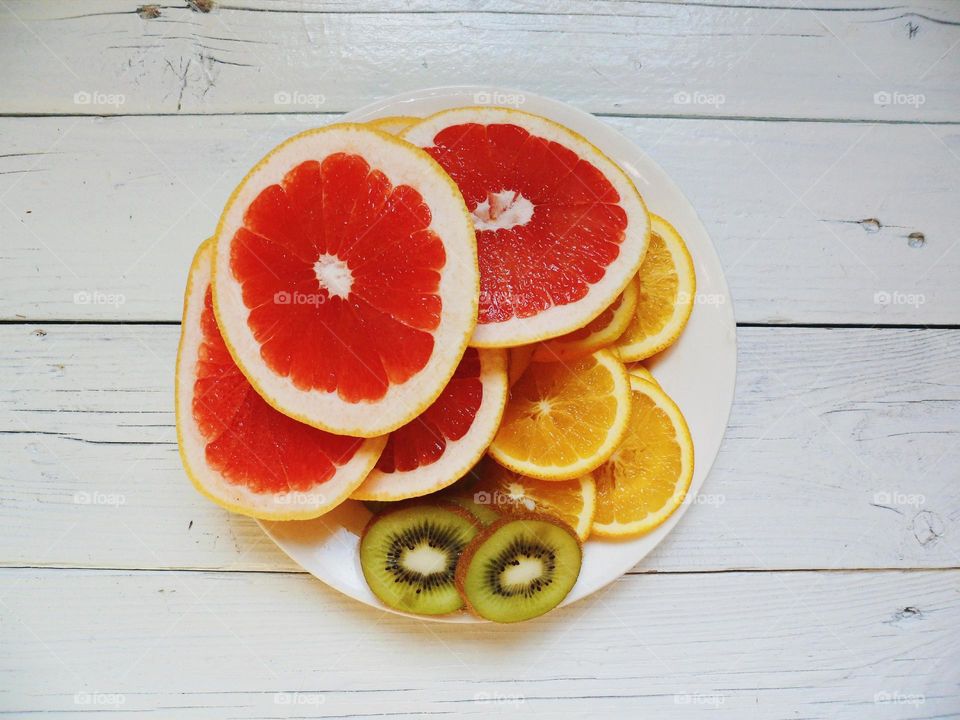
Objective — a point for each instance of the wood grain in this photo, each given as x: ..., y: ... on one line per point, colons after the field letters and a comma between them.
x: 807, y: 60
x: 738, y: 645
x: 100, y: 217
x: 840, y: 453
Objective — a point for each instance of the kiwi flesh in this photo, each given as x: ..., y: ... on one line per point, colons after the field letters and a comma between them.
x: 409, y: 556
x: 519, y: 568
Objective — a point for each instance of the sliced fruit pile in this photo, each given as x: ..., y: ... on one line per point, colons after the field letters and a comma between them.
x: 440, y: 307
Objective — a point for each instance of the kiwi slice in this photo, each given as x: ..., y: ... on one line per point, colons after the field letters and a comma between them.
x: 409, y: 556
x: 483, y: 513
x: 519, y: 568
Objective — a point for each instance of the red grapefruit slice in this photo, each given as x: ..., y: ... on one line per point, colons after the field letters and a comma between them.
x: 345, y: 279
x: 238, y: 450
x: 437, y: 448
x: 561, y: 229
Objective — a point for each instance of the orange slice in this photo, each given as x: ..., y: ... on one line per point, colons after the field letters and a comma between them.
x: 648, y: 476
x: 641, y: 372
x: 668, y: 286
x: 564, y: 419
x: 345, y: 279
x: 507, y: 492
x: 393, y: 124
x: 600, y: 332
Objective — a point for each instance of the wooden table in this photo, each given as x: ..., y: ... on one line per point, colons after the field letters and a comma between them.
x: 818, y: 576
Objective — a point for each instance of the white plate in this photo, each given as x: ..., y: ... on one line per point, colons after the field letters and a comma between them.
x: 699, y: 371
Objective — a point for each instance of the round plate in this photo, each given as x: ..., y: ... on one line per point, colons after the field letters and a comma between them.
x: 698, y: 371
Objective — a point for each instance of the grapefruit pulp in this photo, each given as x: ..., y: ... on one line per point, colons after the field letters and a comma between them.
x: 345, y: 279
x: 237, y: 449
x: 561, y: 230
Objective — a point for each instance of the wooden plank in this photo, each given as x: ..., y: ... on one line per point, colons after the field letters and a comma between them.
x: 705, y: 59
x: 760, y: 645
x: 841, y: 453
x: 100, y: 216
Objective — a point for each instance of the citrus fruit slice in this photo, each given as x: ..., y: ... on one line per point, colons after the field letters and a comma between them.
x: 519, y: 360
x: 648, y: 476
x: 667, y: 289
x: 600, y: 332
x: 238, y: 450
x: 393, y: 124
x: 345, y: 279
x: 508, y: 492
x: 560, y: 228
x: 640, y: 372
x: 564, y: 419
x: 435, y: 449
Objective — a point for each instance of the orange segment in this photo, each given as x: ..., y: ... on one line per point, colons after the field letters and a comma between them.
x: 505, y: 491
x: 564, y: 419
x: 648, y: 476
x: 667, y: 288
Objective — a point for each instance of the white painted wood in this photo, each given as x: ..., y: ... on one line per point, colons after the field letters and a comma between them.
x: 761, y: 645
x: 841, y: 453
x: 784, y: 59
x: 100, y: 216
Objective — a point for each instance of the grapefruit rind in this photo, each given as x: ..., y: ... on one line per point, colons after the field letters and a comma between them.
x: 618, y: 530
x: 632, y: 350
x: 459, y: 455
x: 402, y: 164
x: 558, y: 319
x: 573, y: 346
x: 616, y: 432
x: 237, y: 498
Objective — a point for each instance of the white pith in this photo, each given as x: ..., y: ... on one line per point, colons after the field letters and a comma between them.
x: 558, y: 319
x: 459, y: 282
x: 459, y: 455
x: 333, y: 275
x: 502, y: 210
x: 270, y: 506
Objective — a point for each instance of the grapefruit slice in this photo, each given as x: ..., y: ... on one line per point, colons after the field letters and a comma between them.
x: 600, y: 332
x: 437, y: 448
x: 345, y: 279
x: 560, y: 228
x: 238, y: 450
